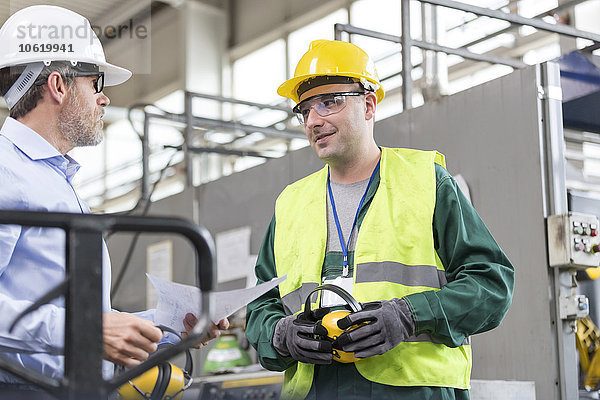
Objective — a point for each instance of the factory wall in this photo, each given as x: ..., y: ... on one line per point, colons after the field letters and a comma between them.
x: 490, y: 135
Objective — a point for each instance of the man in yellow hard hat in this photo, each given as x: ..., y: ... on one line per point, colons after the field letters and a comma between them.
x: 393, y: 229
x: 52, y: 81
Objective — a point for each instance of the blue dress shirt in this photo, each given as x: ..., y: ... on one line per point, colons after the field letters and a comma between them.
x: 35, y: 176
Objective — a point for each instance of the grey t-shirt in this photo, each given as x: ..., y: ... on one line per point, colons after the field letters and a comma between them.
x: 347, y: 198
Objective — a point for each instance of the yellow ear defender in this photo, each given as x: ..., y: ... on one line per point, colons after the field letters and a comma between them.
x: 163, y: 382
x: 329, y: 320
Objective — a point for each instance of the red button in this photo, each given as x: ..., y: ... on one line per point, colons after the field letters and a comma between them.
x: 594, y: 232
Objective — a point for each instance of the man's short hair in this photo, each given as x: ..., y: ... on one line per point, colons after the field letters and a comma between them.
x: 9, y: 75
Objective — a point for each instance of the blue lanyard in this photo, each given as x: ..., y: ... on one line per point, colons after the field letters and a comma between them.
x: 337, y: 221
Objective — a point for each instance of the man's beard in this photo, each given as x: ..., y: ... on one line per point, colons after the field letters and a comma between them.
x: 79, y: 128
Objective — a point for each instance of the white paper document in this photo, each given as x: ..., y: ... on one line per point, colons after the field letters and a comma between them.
x: 175, y: 300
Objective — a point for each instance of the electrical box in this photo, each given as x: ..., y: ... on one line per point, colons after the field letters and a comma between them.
x: 573, y: 240
x: 574, y: 307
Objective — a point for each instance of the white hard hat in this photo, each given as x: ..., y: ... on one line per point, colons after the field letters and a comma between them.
x: 48, y: 33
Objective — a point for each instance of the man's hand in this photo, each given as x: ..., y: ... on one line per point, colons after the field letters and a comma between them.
x: 128, y: 340
x: 386, y: 323
x: 190, y: 321
x: 299, y: 337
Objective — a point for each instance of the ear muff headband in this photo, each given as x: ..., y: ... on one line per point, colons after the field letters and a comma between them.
x: 157, y: 392
x: 347, y: 297
x: 162, y: 382
x: 189, y: 365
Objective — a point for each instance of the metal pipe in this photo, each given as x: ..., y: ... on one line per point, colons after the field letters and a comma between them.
x: 201, y: 122
x: 468, y: 21
x: 435, y: 47
x: 560, y: 8
x: 425, y: 37
x: 516, y: 19
x: 83, y: 316
x: 470, y: 55
x: 31, y: 376
x: 434, y: 39
x: 554, y: 10
x: 336, y: 33
x: 187, y: 139
x: 492, y: 35
x: 145, y: 195
x: 582, y: 137
x: 555, y: 202
x: 243, y: 102
x: 220, y: 150
x: 406, y: 42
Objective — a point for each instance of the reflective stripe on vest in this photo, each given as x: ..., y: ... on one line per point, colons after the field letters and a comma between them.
x: 409, y: 275
x: 293, y: 301
x: 394, y: 256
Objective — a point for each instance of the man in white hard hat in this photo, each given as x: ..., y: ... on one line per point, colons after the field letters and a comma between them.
x: 391, y: 227
x: 52, y: 72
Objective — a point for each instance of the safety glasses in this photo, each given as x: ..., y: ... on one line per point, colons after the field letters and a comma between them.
x: 323, y: 104
x: 98, y: 82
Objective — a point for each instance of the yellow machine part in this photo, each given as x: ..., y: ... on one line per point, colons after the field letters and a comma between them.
x: 593, y: 273
x: 587, y: 340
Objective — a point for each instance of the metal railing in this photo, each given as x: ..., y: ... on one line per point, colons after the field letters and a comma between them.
x: 82, y: 289
x: 190, y: 122
x: 407, y: 42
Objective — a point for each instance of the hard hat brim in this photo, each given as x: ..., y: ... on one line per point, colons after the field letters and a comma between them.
x: 114, y: 75
x: 289, y: 88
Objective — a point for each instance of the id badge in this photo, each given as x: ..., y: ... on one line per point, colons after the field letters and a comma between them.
x: 330, y: 299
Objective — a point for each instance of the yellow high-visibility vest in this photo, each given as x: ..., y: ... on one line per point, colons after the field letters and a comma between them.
x: 394, y: 256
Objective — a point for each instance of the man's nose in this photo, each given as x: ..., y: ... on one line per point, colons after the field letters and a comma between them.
x: 103, y: 100
x: 313, y: 119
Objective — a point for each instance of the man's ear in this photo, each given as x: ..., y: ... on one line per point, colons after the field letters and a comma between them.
x: 56, y: 87
x: 370, y: 105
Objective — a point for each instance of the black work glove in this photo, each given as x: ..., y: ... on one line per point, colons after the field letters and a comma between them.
x: 303, y: 338
x: 386, y: 323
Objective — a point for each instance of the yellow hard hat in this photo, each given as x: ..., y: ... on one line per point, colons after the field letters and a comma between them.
x: 333, y: 58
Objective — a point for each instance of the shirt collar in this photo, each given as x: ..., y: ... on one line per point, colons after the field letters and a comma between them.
x: 28, y: 140
x: 36, y: 147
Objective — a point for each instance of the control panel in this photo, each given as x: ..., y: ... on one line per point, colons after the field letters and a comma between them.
x: 262, y: 385
x: 573, y: 240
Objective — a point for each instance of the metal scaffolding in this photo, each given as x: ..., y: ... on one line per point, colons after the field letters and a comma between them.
x: 407, y: 42
x: 190, y: 122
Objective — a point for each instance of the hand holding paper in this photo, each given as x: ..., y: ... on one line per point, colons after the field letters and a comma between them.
x: 175, y: 300
x: 190, y: 321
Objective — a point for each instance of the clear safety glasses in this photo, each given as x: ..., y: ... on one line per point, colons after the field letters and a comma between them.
x: 323, y: 104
